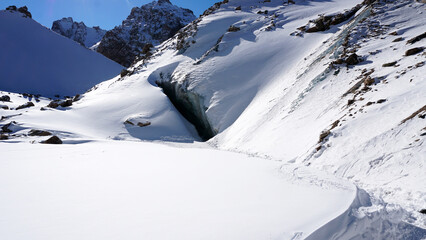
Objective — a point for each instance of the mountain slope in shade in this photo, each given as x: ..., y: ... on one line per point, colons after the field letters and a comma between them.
x: 78, y: 31
x: 150, y: 24
x: 36, y: 60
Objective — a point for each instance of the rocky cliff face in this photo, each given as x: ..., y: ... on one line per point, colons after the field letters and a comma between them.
x: 152, y: 23
x: 78, y: 31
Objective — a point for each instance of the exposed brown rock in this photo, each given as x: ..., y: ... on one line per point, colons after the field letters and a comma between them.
x: 26, y: 105
x: 413, y: 51
x: 353, y: 59
x: 34, y: 132
x: 389, y: 64
x: 417, y: 38
x: 422, y: 109
x: 53, y: 140
x: 233, y: 29
x: 144, y: 124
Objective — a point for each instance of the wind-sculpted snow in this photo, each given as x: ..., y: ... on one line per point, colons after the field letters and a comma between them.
x: 38, y: 61
x: 369, y: 220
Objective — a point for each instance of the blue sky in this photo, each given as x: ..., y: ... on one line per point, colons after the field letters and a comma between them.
x: 103, y: 13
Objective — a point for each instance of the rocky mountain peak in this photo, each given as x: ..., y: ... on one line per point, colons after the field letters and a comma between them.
x: 78, y: 31
x: 151, y: 23
x: 164, y: 2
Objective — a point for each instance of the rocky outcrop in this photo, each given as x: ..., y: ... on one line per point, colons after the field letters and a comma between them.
x: 53, y: 140
x: 23, y: 10
x: 78, y: 31
x: 152, y: 23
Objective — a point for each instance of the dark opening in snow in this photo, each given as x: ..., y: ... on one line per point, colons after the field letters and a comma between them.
x: 190, y: 105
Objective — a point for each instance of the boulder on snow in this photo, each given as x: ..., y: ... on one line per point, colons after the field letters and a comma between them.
x: 233, y: 29
x: 5, y: 98
x: 5, y: 128
x: 144, y: 124
x: 324, y: 135
x: 129, y: 122
x: 417, y: 38
x: 389, y: 64
x: 66, y: 103
x: 413, y: 51
x: 4, y: 137
x: 53, y: 140
x: 53, y: 104
x: 398, y: 39
x: 353, y: 59
x: 26, y: 105
x: 369, y: 81
x: 41, y: 133
x: 76, y: 98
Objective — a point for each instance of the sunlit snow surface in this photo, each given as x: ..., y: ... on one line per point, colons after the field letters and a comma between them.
x: 266, y: 94
x: 133, y: 190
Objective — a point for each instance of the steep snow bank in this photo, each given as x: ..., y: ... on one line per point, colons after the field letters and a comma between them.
x: 367, y: 220
x: 36, y: 60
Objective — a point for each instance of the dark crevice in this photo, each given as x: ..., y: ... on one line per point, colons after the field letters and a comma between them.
x: 190, y: 105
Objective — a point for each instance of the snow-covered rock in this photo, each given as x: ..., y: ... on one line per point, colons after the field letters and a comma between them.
x: 36, y: 60
x: 150, y: 24
x: 78, y: 31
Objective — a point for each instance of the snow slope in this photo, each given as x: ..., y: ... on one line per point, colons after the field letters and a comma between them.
x: 273, y: 91
x: 269, y: 92
x: 36, y: 60
x: 130, y: 190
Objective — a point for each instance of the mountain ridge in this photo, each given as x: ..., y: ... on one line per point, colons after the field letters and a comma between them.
x: 150, y: 24
x: 78, y: 31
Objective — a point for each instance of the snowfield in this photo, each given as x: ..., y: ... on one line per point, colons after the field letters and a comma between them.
x: 314, y: 135
x: 133, y: 190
